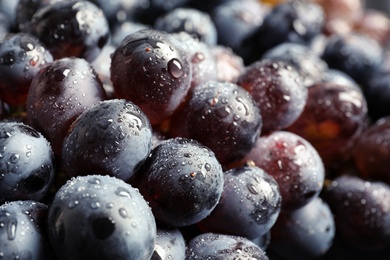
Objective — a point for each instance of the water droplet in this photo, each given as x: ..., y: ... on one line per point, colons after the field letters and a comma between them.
x: 207, y: 167
x: 94, y: 181
x: 252, y: 189
x: 175, y: 68
x: 198, y: 57
x: 122, y: 192
x: 105, y: 123
x: 11, y: 228
x: 14, y: 158
x: 95, y: 205
x: 123, y: 213
x: 73, y: 204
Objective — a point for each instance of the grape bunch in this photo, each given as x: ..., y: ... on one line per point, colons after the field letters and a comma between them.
x: 194, y: 129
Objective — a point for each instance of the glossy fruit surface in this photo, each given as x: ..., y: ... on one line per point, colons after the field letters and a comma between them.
x: 101, y: 217
x: 58, y: 94
x: 249, y: 205
x: 222, y: 116
x: 23, y: 230
x: 149, y: 69
x: 21, y: 57
x: 116, y: 137
x: 27, y: 166
x: 182, y: 181
x: 70, y: 28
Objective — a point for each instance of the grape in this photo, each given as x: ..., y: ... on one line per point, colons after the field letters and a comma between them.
x: 355, y: 54
x: 21, y: 57
x: 222, y: 116
x: 305, y: 233
x: 23, y: 231
x: 27, y: 166
x: 372, y: 151
x: 181, y: 180
x: 249, y: 206
x: 278, y: 91
x: 70, y: 28
x: 101, y: 217
x: 295, y: 165
x: 290, y: 21
x: 149, y: 69
x: 361, y: 209
x: 115, y: 136
x: 235, y: 20
x: 333, y: 117
x: 58, y: 94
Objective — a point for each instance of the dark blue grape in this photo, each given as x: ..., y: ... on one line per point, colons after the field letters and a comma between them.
x: 223, y: 247
x: 297, y: 21
x: 362, y: 211
x: 235, y: 20
x: 70, y: 28
x: 23, y: 231
x: 355, y: 54
x: 101, y: 217
x: 305, y: 233
x: 113, y: 137
x: 27, y: 167
x: 249, y: 206
x: 182, y: 181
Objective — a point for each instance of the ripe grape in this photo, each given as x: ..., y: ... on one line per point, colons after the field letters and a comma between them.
x: 295, y: 165
x: 115, y: 136
x: 222, y: 116
x: 149, y: 69
x: 249, y: 205
x: 181, y: 180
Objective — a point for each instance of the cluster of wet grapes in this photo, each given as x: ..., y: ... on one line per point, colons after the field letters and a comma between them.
x: 193, y: 129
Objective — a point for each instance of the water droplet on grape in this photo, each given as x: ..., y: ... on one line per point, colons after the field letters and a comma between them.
x: 175, y: 68
x: 123, y: 212
x: 11, y: 228
x: 122, y: 192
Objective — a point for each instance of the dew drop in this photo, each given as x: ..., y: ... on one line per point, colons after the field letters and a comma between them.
x: 73, y: 204
x: 14, y: 158
x: 198, y: 57
x: 252, y: 189
x: 105, y: 123
x: 175, y: 68
x: 122, y: 192
x: 95, y: 205
x: 123, y: 213
x: 94, y: 181
x: 11, y: 228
